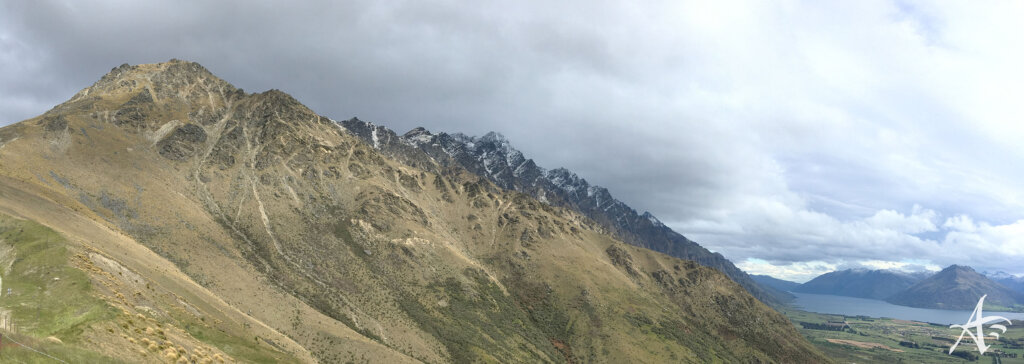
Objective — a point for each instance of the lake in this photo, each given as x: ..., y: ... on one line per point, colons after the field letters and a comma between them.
x: 852, y: 306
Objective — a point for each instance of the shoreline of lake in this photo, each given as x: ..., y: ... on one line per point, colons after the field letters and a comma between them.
x: 854, y: 306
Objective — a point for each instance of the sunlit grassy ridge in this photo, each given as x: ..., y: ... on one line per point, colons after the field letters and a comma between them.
x: 44, y: 296
x: 50, y: 304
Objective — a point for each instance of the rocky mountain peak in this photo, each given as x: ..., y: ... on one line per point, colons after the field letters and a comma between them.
x: 117, y: 72
x: 494, y: 137
x: 179, y: 105
x: 278, y: 102
x: 492, y: 156
x: 958, y: 269
x: 650, y: 217
x: 174, y: 79
x: 567, y: 180
x: 960, y: 273
x: 417, y: 133
x: 463, y: 140
x: 172, y: 73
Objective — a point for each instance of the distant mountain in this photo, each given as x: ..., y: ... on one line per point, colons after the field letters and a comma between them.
x: 1010, y: 281
x: 495, y: 159
x: 956, y: 288
x: 772, y: 282
x: 876, y: 284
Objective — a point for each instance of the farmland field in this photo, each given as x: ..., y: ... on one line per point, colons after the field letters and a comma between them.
x: 878, y: 340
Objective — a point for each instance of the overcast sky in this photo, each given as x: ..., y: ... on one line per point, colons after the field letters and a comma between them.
x: 794, y: 137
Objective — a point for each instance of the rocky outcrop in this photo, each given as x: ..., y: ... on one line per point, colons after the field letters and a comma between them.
x: 493, y: 157
x: 182, y: 143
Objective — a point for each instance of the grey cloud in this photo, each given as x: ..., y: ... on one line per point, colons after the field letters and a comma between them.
x: 760, y: 131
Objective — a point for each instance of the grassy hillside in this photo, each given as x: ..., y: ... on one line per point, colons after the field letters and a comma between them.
x: 43, y: 296
x: 269, y: 233
x: 65, y: 301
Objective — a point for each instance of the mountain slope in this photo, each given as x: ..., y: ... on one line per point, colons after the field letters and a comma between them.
x: 956, y: 288
x: 863, y: 283
x: 493, y: 157
x: 252, y: 216
x: 779, y: 284
x: 1009, y: 281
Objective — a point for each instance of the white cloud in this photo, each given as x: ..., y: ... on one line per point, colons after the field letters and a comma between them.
x: 919, y: 221
x: 910, y: 265
x: 799, y: 272
x: 996, y: 247
x: 770, y: 232
x: 962, y: 223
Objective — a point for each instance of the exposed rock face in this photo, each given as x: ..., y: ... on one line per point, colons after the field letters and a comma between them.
x: 622, y: 259
x: 493, y: 157
x: 55, y: 123
x: 134, y: 112
x: 183, y: 142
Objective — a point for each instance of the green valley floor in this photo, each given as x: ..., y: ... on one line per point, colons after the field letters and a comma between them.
x: 878, y: 340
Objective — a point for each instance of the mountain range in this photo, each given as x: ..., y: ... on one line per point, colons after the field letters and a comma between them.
x: 957, y: 288
x: 492, y: 156
x: 875, y: 284
x: 164, y: 215
x: 778, y: 284
x: 1009, y: 281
